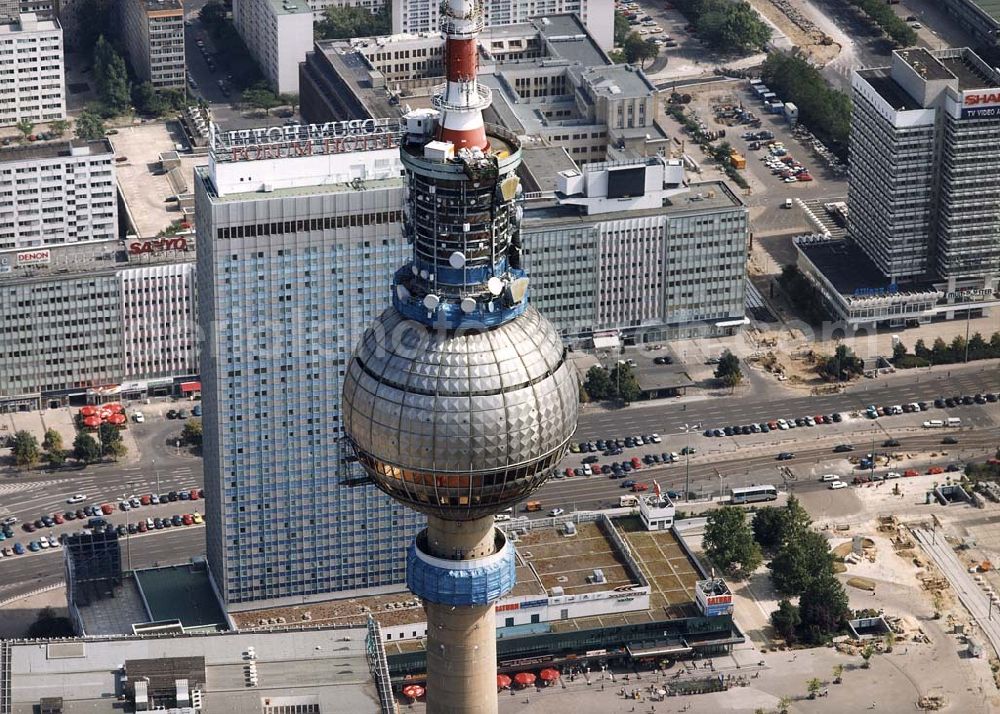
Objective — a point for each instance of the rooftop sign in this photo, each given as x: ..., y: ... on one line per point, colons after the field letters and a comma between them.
x: 280, y: 142
x: 981, y: 104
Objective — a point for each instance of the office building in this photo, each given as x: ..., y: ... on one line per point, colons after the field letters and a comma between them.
x: 96, y: 321
x: 549, y: 79
x: 31, y: 62
x: 414, y: 16
x: 295, y: 258
x: 651, y: 257
x: 923, y: 193
x: 278, y: 33
x: 57, y: 192
x: 153, y: 31
x: 459, y: 400
x: 313, y: 671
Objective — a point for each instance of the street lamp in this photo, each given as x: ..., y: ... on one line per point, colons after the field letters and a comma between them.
x: 688, y: 429
x: 157, y: 472
x: 128, y: 541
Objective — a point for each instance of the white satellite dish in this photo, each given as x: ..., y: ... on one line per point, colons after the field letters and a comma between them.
x: 468, y: 304
x: 456, y: 259
x: 414, y: 269
x: 423, y: 274
x: 495, y: 285
x: 431, y: 301
x: 402, y: 293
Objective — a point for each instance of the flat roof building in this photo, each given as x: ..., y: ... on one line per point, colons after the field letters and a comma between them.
x: 317, y: 671
x: 278, y: 33
x: 96, y: 321
x: 295, y: 259
x: 412, y: 16
x: 57, y: 192
x: 153, y: 31
x: 922, y: 171
x: 31, y: 61
x: 651, y: 257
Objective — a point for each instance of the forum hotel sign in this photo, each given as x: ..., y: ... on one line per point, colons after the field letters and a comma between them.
x: 302, y: 140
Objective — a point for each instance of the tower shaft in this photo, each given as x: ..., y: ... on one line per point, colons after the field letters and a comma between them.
x: 461, y: 640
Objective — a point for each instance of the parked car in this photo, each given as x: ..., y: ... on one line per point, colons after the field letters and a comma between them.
x: 785, y: 456
x: 198, y: 519
x: 107, y: 509
x: 138, y: 417
x: 171, y: 414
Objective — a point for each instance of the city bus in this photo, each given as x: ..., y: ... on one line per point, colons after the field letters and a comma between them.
x: 750, y: 494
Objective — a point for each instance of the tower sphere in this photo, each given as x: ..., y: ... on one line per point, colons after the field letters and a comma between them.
x: 460, y: 424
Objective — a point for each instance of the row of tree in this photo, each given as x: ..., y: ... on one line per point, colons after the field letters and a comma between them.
x: 826, y: 111
x: 892, y: 24
x: 344, y: 22
x: 842, y: 366
x: 802, y: 294
x: 941, y: 352
x: 86, y: 449
x: 618, y: 383
x: 801, y: 566
x: 727, y: 26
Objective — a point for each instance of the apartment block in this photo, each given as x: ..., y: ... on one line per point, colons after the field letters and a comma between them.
x: 31, y: 71
x: 57, y: 192
x: 154, y: 39
x: 278, y: 34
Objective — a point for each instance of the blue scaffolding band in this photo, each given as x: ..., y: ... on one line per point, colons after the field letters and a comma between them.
x: 466, y: 582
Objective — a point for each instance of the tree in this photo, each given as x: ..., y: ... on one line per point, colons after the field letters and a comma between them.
x: 958, y: 349
x: 786, y: 620
x: 637, y: 50
x: 340, y: 23
x: 192, y: 432
x: 146, y: 100
x: 813, y: 686
x: 921, y: 351
x: 783, y: 704
x: 213, y: 13
x: 838, y: 674
x: 52, y: 441
x: 729, y: 542
x: 769, y: 527
x: 25, y: 126
x: 728, y: 371
x: 978, y: 347
x: 86, y: 450
x: 49, y: 624
x: 898, y: 351
x: 111, y: 78
x: 59, y: 127
x: 598, y: 384
x: 621, y: 29
x: 289, y: 99
x: 801, y: 560
x: 741, y: 29
x: 25, y: 449
x: 89, y: 126
x: 823, y: 608
x: 866, y: 654
x: 624, y: 383
x: 842, y: 365
x: 890, y: 640
x: 260, y: 97
x: 111, y: 441
x: 939, y: 352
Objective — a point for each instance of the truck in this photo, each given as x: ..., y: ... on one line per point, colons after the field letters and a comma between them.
x: 533, y: 506
x: 628, y: 501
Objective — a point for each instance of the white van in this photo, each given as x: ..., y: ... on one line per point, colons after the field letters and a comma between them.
x: 954, y: 421
x: 933, y: 424
x: 829, y: 477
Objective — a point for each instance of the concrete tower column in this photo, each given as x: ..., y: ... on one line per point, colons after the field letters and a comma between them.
x: 461, y: 659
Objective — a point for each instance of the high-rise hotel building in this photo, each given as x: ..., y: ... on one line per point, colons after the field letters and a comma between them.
x: 295, y: 259
x: 924, y: 196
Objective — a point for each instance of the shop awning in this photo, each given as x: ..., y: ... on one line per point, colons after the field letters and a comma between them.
x: 658, y: 651
x: 733, y: 323
x: 188, y: 387
x: 604, y: 342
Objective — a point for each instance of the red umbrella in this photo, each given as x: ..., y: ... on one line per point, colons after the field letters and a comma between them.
x: 549, y: 675
x: 114, y: 407
x: 413, y: 691
x: 503, y: 681
x: 116, y: 419
x: 88, y: 411
x: 524, y: 679
x: 92, y: 421
x: 104, y: 414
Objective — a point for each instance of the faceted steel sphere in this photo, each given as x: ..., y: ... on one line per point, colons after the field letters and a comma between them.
x: 460, y: 425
